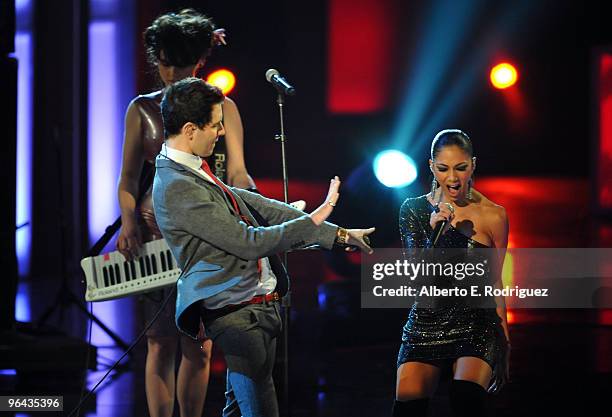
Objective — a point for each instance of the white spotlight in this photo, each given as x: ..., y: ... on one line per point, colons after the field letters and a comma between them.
x: 394, y: 169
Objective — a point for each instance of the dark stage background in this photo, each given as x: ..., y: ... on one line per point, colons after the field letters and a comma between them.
x: 544, y: 129
x: 551, y: 41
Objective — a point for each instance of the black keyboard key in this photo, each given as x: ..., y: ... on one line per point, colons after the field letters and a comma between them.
x: 154, y: 263
x: 148, y: 264
x: 163, y: 261
x: 118, y: 274
x: 126, y: 271
x: 169, y: 259
x: 111, y: 273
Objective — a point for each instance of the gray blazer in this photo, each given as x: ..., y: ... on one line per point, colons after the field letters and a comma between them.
x: 212, y: 246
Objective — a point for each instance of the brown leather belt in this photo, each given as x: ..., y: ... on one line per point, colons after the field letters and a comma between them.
x: 211, y: 314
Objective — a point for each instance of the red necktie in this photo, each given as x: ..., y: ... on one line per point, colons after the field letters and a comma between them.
x: 217, y: 181
x: 227, y: 192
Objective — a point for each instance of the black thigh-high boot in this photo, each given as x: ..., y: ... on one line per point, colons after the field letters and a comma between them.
x: 410, y: 408
x: 467, y: 399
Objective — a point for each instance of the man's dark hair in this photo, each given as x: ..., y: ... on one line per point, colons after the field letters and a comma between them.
x: 185, y: 37
x: 188, y: 100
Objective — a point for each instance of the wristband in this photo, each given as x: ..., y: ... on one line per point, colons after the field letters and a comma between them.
x: 342, y: 236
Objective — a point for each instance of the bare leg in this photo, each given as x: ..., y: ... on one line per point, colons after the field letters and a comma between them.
x: 416, y: 380
x: 416, y: 383
x: 194, y: 371
x: 473, y: 369
x: 159, y: 375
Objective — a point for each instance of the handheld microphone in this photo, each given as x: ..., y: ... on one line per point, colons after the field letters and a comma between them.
x: 437, y: 232
x: 281, y: 85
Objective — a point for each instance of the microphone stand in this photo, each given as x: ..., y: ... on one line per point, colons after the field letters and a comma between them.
x: 280, y: 100
x: 286, y: 301
x: 65, y: 295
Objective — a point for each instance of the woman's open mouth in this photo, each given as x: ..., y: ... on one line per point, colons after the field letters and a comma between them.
x: 453, y: 189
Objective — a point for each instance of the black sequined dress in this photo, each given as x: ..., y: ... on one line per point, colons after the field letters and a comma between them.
x: 454, y: 330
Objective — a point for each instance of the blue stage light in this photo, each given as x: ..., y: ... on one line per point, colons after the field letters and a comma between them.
x: 394, y: 169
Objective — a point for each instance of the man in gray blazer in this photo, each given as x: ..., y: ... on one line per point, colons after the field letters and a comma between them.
x: 224, y: 252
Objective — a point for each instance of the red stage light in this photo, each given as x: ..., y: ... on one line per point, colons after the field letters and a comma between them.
x: 224, y: 79
x: 503, y: 75
x: 603, y: 126
x: 361, y: 40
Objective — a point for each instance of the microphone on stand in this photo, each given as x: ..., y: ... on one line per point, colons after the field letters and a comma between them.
x: 281, y: 85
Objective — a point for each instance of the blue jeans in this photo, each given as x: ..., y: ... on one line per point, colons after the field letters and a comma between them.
x: 247, y: 338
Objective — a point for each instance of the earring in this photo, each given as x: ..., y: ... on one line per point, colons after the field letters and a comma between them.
x: 434, y: 185
x: 470, y: 185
